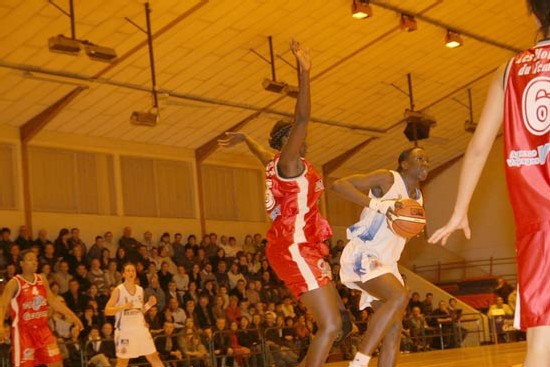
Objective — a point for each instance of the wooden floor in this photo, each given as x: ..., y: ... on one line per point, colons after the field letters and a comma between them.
x: 501, y: 355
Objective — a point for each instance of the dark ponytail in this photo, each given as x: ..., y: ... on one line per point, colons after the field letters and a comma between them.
x: 279, y: 130
x: 541, y: 9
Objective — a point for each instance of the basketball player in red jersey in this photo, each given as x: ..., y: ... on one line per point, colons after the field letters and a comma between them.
x: 295, y: 249
x: 29, y: 296
x: 519, y: 95
x: 369, y: 260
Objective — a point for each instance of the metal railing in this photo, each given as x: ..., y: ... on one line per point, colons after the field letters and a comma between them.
x: 460, y: 269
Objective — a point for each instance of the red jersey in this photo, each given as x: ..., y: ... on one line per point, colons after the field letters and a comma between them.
x: 292, y: 206
x: 527, y: 137
x: 29, y: 307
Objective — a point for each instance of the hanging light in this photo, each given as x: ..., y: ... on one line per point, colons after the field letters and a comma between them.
x: 407, y: 23
x: 453, y: 39
x: 360, y: 9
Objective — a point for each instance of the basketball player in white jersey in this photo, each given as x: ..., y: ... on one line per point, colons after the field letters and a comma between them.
x: 369, y: 260
x: 132, y: 336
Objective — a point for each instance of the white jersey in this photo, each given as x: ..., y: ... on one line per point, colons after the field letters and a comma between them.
x: 131, y: 318
x: 373, y: 248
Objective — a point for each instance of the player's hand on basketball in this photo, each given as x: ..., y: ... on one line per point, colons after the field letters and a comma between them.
x: 301, y: 54
x: 152, y: 301
x: 382, y: 206
x: 455, y: 223
x: 232, y: 138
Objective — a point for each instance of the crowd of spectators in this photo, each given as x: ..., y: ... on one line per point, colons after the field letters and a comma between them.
x: 215, y: 291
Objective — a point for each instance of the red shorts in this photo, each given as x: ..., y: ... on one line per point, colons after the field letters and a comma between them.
x: 533, y: 258
x: 302, y: 267
x: 33, y: 346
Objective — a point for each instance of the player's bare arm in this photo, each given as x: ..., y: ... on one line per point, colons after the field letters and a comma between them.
x: 9, y: 292
x: 235, y: 137
x: 355, y: 188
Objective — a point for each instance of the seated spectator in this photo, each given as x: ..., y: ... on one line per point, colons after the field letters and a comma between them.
x: 233, y: 312
x: 72, y: 349
x: 194, y: 349
x: 415, y: 302
x: 500, y: 309
x: 108, y: 346
x: 172, y: 292
x: 75, y: 258
x: 62, y: 247
x: 153, y: 319
x: 96, y: 350
x: 48, y: 256
x: 75, y: 299
x: 240, y: 352
x: 221, y: 275
x: 112, y: 275
x: 234, y: 275
x: 129, y: 244
x: 287, y: 308
x: 252, y: 293
x: 427, y: 304
x: 279, y: 353
x: 109, y: 244
x: 169, y: 347
x: 164, y: 258
x: 82, y: 277
x: 223, y: 351
x: 177, y: 313
x: 75, y: 240
x: 154, y: 289
x: 24, y: 239
x: 416, y: 323
x: 442, y: 320
x: 206, y: 275
x: 248, y: 245
x: 106, y: 258
x: 240, y: 290
x: 97, y: 277
x: 96, y: 250
x: 203, y: 312
x: 164, y: 276
x: 147, y: 241
x: 167, y: 244
x: 182, y: 280
x: 209, y: 289
x: 192, y: 293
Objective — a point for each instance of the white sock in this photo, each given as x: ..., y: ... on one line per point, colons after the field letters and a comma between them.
x: 360, y: 360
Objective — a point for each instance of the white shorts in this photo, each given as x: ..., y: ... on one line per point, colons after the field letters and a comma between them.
x: 134, y: 343
x: 359, y: 263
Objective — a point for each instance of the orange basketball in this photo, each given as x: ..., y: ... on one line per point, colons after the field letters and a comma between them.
x: 409, y: 220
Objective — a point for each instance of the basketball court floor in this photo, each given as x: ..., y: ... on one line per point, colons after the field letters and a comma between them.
x: 500, y: 355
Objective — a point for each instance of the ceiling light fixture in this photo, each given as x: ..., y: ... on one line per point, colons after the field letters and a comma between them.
x: 274, y: 85
x: 72, y: 45
x: 453, y: 39
x: 360, y: 9
x: 408, y: 23
x: 151, y: 117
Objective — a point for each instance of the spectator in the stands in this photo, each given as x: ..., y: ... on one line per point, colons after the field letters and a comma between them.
x: 178, y: 248
x: 233, y: 312
x: 165, y: 258
x: 106, y: 258
x: 219, y: 257
x: 203, y: 312
x: 248, y: 245
x: 177, y: 313
x: 96, y: 276
x: 112, y: 275
x: 121, y: 258
x: 81, y: 275
x: 167, y: 244
x: 109, y: 243
x: 169, y: 346
x: 62, y: 276
x: 172, y: 292
x: 217, y: 307
x: 503, y: 289
x: 500, y: 309
x: 164, y: 276
x: 95, y: 250
x: 42, y: 240
x: 210, y: 247
x: 147, y: 241
x: 417, y: 325
x: 154, y: 289
x: 442, y: 319
x: 62, y: 247
x: 252, y: 294
x: 192, y: 293
x: 24, y: 239
x: 129, y: 244
x: 152, y: 318
x: 415, y: 302
x: 182, y: 280
x: 48, y: 255
x: 75, y: 299
x: 75, y: 258
x: 234, y: 275
x: 427, y: 304
x: 5, y: 241
x: 76, y: 240
x: 512, y: 298
x: 192, y: 243
x: 240, y: 290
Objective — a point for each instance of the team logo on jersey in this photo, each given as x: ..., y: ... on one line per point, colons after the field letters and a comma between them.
x: 28, y: 354
x: 536, y: 106
x: 37, y: 302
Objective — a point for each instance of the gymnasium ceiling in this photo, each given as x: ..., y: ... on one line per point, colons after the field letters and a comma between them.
x: 204, y: 60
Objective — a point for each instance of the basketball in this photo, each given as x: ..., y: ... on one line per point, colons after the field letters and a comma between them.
x: 408, y: 220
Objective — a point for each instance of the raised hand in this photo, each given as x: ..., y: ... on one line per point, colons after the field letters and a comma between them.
x: 455, y: 223
x: 301, y: 54
x: 232, y: 139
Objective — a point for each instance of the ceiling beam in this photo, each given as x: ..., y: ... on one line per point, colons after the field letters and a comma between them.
x: 337, y: 162
x: 32, y: 127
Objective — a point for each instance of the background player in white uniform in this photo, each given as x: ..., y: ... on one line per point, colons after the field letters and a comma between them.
x: 132, y: 336
x: 369, y: 260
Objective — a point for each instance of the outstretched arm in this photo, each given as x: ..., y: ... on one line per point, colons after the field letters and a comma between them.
x: 9, y: 292
x: 290, y: 164
x: 263, y: 154
x: 354, y: 188
x: 474, y: 160
x: 54, y: 303
x: 111, y: 308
